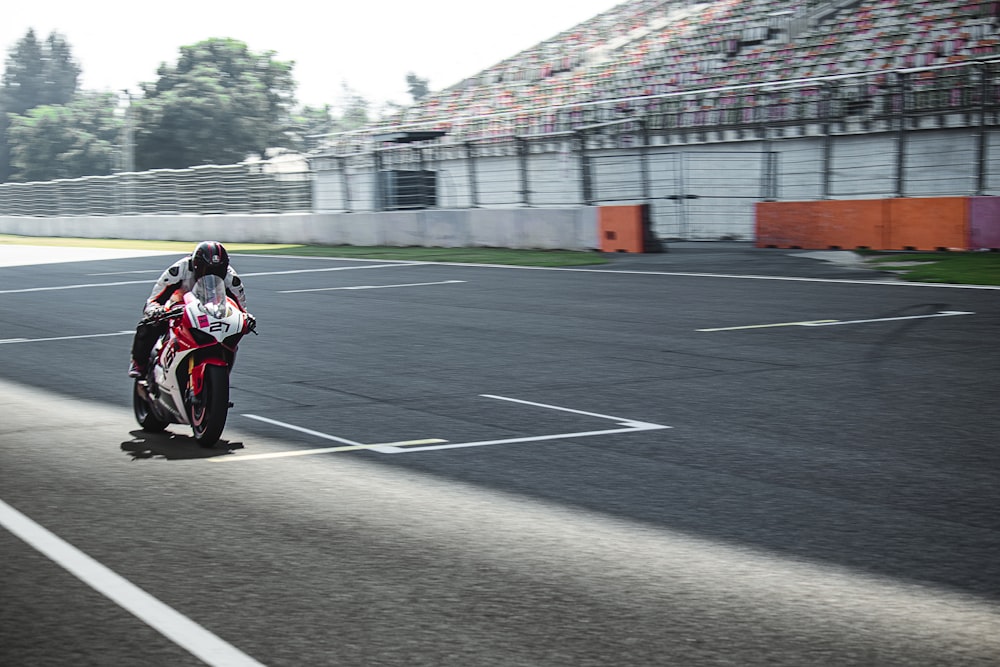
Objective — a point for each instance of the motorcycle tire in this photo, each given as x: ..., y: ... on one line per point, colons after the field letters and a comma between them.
x: 209, y: 417
x: 144, y: 412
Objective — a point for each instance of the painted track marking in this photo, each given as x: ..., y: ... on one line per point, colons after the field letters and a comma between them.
x: 243, y: 275
x: 5, y: 341
x: 353, y: 287
x: 171, y: 624
x: 409, y: 446
x: 310, y: 452
x: 943, y: 313
x: 830, y: 323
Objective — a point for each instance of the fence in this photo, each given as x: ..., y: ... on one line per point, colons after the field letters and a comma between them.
x: 239, y: 188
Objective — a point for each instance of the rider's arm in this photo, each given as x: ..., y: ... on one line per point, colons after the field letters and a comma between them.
x: 166, y: 285
x: 234, y: 286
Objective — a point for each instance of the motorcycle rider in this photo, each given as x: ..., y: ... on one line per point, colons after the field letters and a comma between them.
x: 208, y: 257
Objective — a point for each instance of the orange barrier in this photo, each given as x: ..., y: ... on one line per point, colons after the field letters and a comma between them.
x: 623, y: 228
x: 929, y: 223
x: 855, y: 223
x: 925, y: 223
x: 789, y: 224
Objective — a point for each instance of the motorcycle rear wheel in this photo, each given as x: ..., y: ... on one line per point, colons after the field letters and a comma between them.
x: 208, y: 418
x: 144, y: 412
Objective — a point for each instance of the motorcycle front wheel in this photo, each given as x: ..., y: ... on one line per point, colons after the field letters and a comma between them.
x: 208, y: 416
x: 144, y: 412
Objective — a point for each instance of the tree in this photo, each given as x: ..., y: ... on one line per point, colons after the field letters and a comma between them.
x: 354, y: 109
x: 417, y: 87
x: 220, y: 103
x: 36, y: 74
x: 309, y: 122
x: 77, y: 139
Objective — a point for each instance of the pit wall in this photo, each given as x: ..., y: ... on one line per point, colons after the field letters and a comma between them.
x: 570, y: 228
x: 918, y: 223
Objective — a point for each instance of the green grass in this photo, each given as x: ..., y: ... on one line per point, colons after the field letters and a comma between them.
x: 957, y: 268
x: 464, y: 255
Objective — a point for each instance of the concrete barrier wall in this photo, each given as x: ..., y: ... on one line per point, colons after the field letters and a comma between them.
x: 570, y: 228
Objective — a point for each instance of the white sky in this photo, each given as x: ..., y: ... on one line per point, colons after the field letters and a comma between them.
x: 369, y: 45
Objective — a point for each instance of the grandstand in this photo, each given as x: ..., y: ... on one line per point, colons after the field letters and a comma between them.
x: 630, y: 59
x: 698, y: 111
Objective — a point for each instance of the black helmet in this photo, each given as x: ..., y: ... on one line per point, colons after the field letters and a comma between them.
x: 209, y: 257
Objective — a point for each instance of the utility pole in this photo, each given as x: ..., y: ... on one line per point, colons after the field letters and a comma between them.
x: 128, y: 135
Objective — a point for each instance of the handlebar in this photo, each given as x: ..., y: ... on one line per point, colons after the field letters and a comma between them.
x: 177, y: 311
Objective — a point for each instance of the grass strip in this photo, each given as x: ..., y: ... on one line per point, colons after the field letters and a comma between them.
x: 956, y: 268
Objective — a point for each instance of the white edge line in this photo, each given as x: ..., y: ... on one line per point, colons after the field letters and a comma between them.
x: 324, y: 270
x: 359, y: 287
x: 833, y: 323
x: 943, y: 313
x: 170, y: 623
x: 245, y: 275
x: 390, y: 263
x: 307, y: 431
x: 44, y: 340
x: 846, y: 281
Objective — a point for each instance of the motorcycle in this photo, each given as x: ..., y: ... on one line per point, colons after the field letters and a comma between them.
x: 187, y: 381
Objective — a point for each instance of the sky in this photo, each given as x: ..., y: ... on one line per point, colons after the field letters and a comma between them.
x: 370, y: 46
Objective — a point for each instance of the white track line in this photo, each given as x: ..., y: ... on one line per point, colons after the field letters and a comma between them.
x: 830, y: 323
x: 354, y: 287
x: 681, y: 274
x: 628, y: 426
x: 943, y: 313
x: 171, y: 624
x: 7, y: 341
x: 244, y: 275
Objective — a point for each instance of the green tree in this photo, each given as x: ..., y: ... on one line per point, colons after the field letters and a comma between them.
x: 354, y: 109
x: 220, y: 103
x: 68, y: 141
x: 308, y: 122
x: 417, y: 87
x: 37, y: 73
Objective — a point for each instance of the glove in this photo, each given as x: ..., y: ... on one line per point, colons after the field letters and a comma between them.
x: 251, y: 324
x: 154, y: 311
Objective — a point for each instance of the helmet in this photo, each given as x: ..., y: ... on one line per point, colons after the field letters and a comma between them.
x: 209, y: 257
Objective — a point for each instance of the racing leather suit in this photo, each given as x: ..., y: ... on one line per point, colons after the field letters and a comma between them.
x: 177, y: 279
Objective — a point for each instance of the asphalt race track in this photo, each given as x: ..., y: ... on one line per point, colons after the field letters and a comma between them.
x: 714, y: 456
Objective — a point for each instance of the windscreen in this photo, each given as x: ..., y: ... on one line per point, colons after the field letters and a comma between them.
x: 210, y: 290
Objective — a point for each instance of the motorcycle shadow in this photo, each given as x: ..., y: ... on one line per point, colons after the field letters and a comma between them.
x: 173, y: 447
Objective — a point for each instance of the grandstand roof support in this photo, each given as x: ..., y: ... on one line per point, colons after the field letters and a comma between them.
x: 408, y: 137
